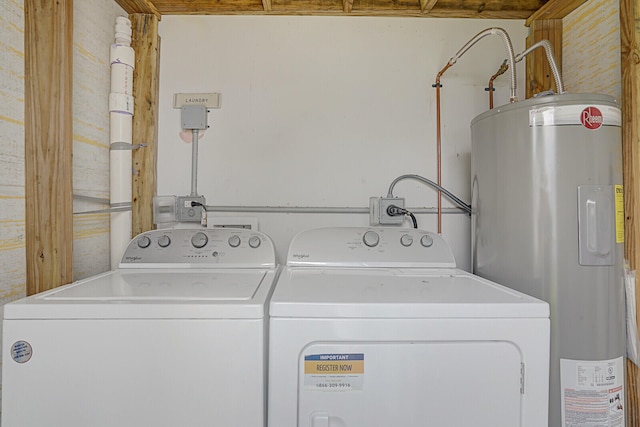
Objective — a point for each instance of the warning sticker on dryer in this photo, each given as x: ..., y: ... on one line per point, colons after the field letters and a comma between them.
x: 334, y: 372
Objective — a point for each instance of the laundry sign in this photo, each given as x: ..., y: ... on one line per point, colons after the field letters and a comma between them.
x: 334, y: 371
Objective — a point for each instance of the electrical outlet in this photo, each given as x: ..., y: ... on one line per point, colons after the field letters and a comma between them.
x: 385, y: 218
x: 188, y: 213
x: 378, y: 214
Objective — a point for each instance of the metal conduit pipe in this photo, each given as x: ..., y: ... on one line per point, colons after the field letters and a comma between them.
x: 551, y: 59
x: 318, y: 210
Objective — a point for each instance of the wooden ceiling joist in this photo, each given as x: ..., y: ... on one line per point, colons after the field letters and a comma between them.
x: 555, y: 9
x: 427, y: 5
x: 496, y: 9
x: 139, y: 6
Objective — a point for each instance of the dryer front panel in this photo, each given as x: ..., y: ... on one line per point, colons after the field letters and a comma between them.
x: 410, y: 384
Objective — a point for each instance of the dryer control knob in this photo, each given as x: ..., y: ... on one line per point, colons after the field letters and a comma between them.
x: 164, y: 241
x: 144, y: 242
x: 254, y: 242
x: 406, y: 240
x: 199, y: 240
x: 426, y: 241
x: 234, y: 241
x: 371, y: 238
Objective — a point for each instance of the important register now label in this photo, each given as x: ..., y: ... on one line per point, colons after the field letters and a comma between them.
x: 334, y: 372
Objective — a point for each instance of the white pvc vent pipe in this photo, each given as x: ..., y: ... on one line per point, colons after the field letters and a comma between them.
x: 120, y: 137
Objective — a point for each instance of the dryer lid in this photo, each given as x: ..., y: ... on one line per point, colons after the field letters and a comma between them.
x: 154, y: 293
x: 397, y: 293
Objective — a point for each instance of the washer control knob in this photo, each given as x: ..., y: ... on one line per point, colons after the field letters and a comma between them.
x: 371, y: 238
x: 199, y: 240
x: 254, y: 242
x: 426, y: 241
x: 144, y: 242
x: 234, y: 241
x: 406, y: 240
x: 164, y: 241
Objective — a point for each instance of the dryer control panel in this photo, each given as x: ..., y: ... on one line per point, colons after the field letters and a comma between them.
x: 370, y: 247
x: 202, y: 248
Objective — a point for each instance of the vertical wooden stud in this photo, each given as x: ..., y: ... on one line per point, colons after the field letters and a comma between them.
x: 48, y: 143
x: 539, y: 76
x: 146, y: 43
x: 630, y: 58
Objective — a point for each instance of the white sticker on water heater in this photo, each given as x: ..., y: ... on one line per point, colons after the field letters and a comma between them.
x: 589, y: 116
x: 592, y: 392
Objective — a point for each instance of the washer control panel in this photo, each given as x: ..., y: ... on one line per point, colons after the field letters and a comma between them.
x: 202, y: 248
x: 370, y: 247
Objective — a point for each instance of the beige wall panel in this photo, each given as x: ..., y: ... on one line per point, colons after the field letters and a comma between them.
x: 591, y: 49
x: 12, y: 225
x: 12, y: 256
x: 93, y: 35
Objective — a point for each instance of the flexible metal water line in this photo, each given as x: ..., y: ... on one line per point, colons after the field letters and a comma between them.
x: 508, y: 45
x: 551, y: 59
x: 513, y: 98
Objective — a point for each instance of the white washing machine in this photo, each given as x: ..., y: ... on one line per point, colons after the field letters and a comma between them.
x: 177, y: 336
x: 376, y: 327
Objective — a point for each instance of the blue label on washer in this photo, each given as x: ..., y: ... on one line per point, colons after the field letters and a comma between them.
x: 21, y: 351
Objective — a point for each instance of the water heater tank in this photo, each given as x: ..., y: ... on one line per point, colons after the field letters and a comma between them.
x: 548, y: 220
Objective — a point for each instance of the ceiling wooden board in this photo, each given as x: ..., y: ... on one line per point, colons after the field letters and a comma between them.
x: 494, y: 9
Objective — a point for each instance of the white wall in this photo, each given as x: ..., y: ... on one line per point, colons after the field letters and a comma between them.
x: 326, y: 111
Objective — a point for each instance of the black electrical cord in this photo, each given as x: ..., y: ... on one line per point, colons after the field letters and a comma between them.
x: 413, y: 219
x: 194, y: 204
x: 393, y: 210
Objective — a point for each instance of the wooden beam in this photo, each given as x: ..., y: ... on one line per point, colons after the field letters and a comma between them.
x: 555, y: 9
x: 146, y: 44
x: 139, y: 6
x: 48, y: 40
x: 427, y: 5
x: 347, y: 6
x: 266, y: 5
x: 539, y: 76
x: 630, y: 60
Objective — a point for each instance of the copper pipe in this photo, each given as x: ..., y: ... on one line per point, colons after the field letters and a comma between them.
x: 503, y: 68
x: 437, y: 85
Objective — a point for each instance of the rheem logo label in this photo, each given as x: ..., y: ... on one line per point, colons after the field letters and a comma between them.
x: 591, y: 118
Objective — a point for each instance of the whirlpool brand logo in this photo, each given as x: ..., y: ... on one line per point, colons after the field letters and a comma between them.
x: 301, y: 256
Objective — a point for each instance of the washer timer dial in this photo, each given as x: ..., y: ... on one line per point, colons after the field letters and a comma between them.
x: 371, y: 238
x: 199, y: 240
x: 164, y: 241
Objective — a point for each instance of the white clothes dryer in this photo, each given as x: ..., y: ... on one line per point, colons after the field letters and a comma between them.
x: 377, y: 327
x: 177, y: 336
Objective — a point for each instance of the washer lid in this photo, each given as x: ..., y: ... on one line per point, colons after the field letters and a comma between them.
x: 153, y: 293
x: 397, y: 293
